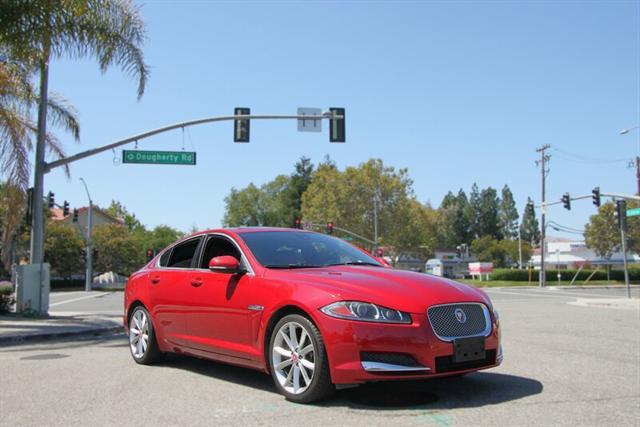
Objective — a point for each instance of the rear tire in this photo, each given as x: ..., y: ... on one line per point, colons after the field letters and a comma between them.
x: 298, y: 360
x: 142, y: 337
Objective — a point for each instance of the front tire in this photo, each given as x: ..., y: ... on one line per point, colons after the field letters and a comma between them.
x: 298, y: 360
x: 142, y: 337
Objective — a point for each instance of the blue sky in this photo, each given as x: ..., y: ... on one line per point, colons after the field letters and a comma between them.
x: 457, y: 92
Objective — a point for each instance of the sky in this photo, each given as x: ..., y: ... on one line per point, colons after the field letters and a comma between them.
x: 457, y: 92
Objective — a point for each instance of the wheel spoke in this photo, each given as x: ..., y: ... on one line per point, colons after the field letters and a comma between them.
x: 284, y: 364
x: 303, y: 371
x: 296, y: 378
x: 288, y: 379
x: 139, y: 348
x: 136, y: 320
x: 308, y: 364
x: 303, y: 337
x: 287, y: 340
x: 144, y: 344
x: 292, y: 336
x: 134, y: 331
x: 282, y: 352
x: 308, y: 349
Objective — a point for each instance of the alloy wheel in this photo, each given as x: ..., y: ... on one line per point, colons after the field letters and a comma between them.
x: 293, y: 356
x: 139, y: 334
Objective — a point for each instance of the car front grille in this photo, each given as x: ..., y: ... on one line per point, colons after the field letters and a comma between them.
x: 451, y: 321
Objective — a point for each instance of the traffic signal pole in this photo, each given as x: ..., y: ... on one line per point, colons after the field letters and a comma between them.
x: 42, y: 167
x: 623, y: 237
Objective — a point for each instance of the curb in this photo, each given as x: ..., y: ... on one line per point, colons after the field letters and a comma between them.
x: 562, y: 287
x: 24, y: 339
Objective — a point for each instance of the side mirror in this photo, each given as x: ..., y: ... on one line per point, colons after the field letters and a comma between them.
x: 224, y: 264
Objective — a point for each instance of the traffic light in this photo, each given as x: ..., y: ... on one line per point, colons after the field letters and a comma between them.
x: 241, y: 126
x: 297, y: 223
x: 336, y: 126
x: 595, y: 194
x: 621, y: 214
x: 75, y: 215
x: 566, y: 201
x: 379, y: 252
x: 459, y: 251
x: 149, y: 254
x: 51, y: 199
x: 65, y: 208
x: 329, y: 228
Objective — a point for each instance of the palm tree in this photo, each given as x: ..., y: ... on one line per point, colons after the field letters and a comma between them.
x: 34, y: 32
x: 18, y: 100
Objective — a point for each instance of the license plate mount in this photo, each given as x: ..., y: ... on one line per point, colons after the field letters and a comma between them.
x: 468, y: 349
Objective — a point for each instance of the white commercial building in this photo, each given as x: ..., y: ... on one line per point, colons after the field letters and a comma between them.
x: 567, y: 253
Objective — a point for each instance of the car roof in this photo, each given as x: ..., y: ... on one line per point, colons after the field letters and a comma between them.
x: 250, y: 230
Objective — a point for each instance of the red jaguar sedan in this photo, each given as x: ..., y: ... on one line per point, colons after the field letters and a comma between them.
x: 312, y: 310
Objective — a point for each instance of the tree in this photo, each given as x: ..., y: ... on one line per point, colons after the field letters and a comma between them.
x: 118, y: 249
x: 34, y: 32
x: 602, y: 233
x: 160, y: 237
x: 529, y: 228
x: 297, y: 185
x: 118, y: 210
x: 63, y: 249
x: 348, y: 198
x: 473, y: 212
x: 456, y: 217
x: 508, y: 215
x: 17, y: 128
x: 488, y: 221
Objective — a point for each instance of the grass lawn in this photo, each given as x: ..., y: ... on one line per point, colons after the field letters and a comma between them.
x: 506, y: 283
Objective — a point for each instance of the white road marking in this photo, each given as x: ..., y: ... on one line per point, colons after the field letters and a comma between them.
x: 79, y: 299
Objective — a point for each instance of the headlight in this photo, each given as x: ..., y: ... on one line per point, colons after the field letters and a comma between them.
x: 355, y: 310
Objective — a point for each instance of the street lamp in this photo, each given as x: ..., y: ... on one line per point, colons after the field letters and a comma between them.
x: 89, y: 272
x: 624, y: 132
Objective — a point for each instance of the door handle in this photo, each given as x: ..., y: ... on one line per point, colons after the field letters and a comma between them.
x: 155, y: 280
x: 196, y: 283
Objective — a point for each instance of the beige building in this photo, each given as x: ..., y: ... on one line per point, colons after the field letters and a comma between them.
x: 100, y: 217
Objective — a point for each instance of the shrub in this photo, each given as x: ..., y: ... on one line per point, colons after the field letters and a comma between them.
x: 523, y: 275
x: 6, y: 298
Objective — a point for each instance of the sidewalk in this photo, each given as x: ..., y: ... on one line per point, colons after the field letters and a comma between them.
x: 619, y: 303
x: 17, y: 329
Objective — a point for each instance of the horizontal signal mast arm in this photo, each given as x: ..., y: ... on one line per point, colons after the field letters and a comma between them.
x: 612, y: 195
x: 61, y: 162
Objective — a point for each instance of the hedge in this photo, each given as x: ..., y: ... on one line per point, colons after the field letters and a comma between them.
x: 523, y: 275
x: 6, y: 298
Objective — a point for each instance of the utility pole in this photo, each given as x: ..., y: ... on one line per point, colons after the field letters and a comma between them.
x: 375, y: 222
x: 544, y: 158
x: 88, y: 280
x: 519, y: 249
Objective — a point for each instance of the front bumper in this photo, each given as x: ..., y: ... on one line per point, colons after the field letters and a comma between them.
x: 346, y: 341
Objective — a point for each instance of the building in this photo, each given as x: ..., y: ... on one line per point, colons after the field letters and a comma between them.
x: 99, y: 217
x: 572, y: 254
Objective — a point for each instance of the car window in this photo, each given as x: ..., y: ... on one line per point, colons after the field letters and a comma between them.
x: 283, y: 249
x: 164, y: 259
x: 218, y: 246
x: 182, y: 254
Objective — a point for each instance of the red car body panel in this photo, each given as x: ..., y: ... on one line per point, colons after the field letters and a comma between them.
x: 208, y: 314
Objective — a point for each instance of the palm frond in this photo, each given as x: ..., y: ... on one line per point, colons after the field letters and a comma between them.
x: 63, y: 114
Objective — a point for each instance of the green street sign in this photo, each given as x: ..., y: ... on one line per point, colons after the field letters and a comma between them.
x: 159, y: 157
x: 633, y: 212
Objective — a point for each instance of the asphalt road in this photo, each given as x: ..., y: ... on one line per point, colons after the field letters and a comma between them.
x: 564, y: 365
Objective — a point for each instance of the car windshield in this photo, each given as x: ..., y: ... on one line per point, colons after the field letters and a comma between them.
x: 298, y: 249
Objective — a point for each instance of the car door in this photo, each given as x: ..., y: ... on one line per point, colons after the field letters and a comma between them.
x: 169, y: 283
x: 220, y: 318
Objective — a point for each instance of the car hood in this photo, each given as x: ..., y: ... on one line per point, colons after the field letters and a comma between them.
x: 398, y: 289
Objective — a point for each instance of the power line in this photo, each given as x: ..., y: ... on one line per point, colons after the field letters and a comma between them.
x: 579, y: 158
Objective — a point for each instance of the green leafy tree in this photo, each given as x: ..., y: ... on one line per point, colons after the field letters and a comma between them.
x: 348, y: 198
x: 602, y: 233
x: 508, y: 215
x: 246, y: 207
x: 161, y: 237
x: 473, y: 212
x: 118, y: 249
x: 118, y: 210
x: 530, y: 228
x: 63, y: 249
x: 455, y: 209
x: 489, y: 222
x: 297, y: 185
